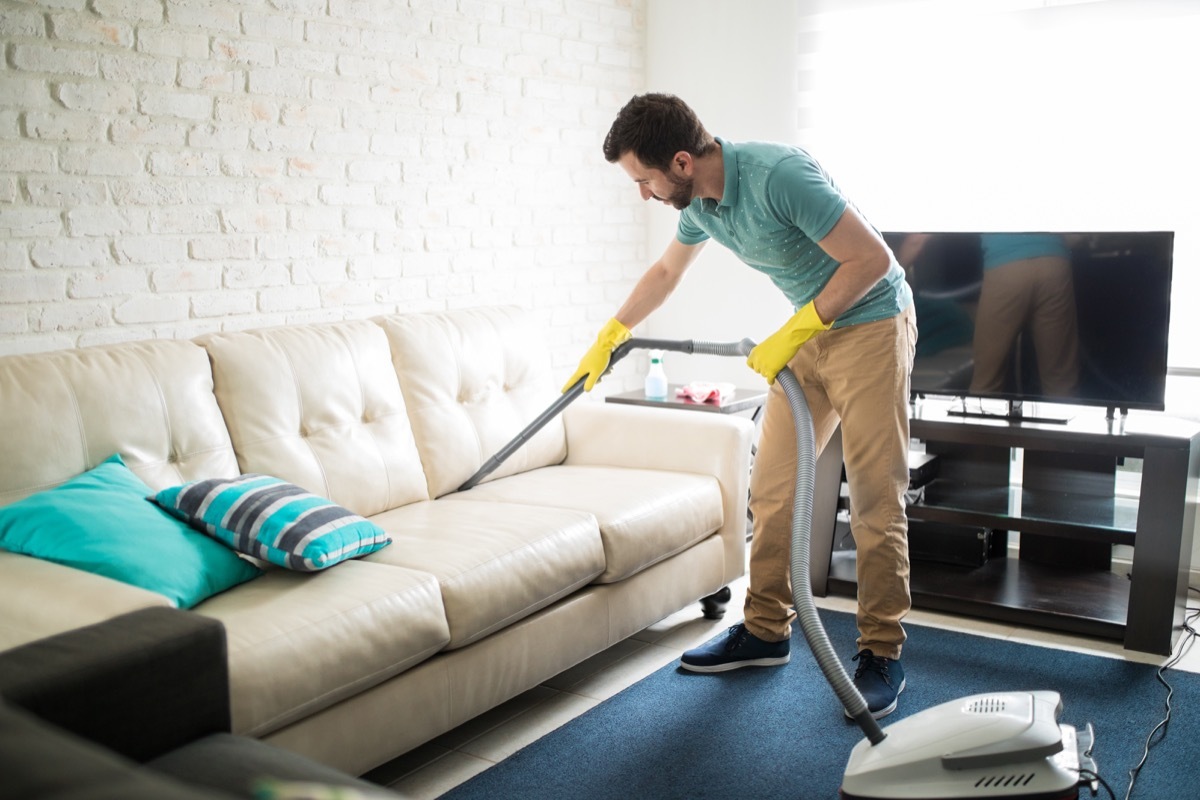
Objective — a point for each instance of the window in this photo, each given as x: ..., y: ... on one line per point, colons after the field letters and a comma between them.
x: 1014, y: 115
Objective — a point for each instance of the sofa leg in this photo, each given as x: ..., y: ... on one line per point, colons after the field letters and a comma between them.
x: 714, y: 605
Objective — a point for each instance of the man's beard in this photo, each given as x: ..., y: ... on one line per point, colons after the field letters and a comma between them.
x: 681, y: 193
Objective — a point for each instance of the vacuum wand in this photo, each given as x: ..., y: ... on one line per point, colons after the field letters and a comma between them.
x: 576, y: 389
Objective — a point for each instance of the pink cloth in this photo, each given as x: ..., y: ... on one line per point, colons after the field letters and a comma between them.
x: 706, y: 392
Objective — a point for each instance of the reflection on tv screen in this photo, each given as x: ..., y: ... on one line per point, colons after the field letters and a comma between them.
x: 1076, y: 318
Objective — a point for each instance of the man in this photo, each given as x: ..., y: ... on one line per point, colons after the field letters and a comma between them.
x: 850, y: 344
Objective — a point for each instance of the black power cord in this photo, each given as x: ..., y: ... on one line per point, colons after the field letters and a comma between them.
x: 1088, y: 777
x: 1190, y: 634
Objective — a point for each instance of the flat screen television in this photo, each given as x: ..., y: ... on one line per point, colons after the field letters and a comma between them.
x: 1056, y: 317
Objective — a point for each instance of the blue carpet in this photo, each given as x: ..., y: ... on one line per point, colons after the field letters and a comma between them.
x: 780, y: 733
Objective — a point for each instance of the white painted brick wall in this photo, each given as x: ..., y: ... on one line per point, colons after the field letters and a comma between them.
x: 173, y: 167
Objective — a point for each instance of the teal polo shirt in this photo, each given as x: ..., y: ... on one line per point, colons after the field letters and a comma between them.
x: 1003, y: 248
x: 778, y: 202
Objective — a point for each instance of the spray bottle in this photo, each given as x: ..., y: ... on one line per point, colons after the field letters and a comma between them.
x: 656, y: 378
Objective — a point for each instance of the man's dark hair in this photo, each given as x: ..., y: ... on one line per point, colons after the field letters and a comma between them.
x: 654, y: 127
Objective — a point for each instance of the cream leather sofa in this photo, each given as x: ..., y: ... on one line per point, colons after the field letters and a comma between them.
x: 609, y: 519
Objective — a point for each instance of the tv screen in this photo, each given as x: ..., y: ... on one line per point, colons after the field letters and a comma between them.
x: 1076, y: 318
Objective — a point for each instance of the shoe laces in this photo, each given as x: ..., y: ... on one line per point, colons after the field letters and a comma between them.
x: 869, y: 662
x: 737, y: 637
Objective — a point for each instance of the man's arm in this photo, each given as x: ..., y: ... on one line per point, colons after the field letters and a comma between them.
x: 659, y: 282
x: 863, y: 261
x: 650, y: 292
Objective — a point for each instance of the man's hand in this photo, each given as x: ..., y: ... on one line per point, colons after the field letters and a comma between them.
x: 595, y: 361
x: 774, y: 352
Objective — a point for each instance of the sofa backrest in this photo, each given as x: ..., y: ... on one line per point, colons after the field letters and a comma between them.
x: 373, y: 414
x: 472, y: 379
x: 319, y: 406
x: 64, y: 412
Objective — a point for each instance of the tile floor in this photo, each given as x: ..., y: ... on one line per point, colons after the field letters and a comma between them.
x: 435, y: 768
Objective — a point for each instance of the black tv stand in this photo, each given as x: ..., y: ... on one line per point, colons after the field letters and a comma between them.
x: 1110, y: 414
x: 1015, y: 413
x: 1066, y: 512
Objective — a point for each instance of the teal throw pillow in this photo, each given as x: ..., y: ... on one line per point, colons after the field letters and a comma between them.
x: 276, y: 521
x: 101, y: 522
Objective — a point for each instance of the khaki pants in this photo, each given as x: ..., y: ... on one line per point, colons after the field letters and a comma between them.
x: 1040, y: 293
x: 858, y: 375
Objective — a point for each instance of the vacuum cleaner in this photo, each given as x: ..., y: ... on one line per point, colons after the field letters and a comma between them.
x: 991, y: 745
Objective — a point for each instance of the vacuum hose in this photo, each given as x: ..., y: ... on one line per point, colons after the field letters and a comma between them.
x: 806, y: 461
x: 802, y: 597
x: 802, y: 507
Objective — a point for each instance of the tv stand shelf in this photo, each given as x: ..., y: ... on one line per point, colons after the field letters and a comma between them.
x: 1068, y: 517
x: 1013, y: 591
x: 1071, y: 516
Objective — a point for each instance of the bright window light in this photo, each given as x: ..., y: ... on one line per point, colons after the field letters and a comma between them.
x: 1014, y: 116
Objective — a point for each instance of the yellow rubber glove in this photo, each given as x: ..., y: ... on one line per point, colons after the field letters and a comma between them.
x: 774, y: 352
x: 595, y: 360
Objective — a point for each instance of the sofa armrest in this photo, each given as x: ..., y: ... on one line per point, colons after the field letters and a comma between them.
x: 139, y: 684
x: 610, y: 434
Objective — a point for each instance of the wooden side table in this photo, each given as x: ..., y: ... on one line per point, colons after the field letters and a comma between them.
x: 741, y: 400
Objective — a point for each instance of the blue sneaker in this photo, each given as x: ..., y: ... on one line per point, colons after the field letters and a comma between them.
x: 740, y: 648
x: 880, y: 681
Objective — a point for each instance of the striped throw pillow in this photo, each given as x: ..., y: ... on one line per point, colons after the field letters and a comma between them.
x: 273, y: 520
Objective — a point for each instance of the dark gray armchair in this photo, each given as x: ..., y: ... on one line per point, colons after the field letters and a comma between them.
x: 135, y: 707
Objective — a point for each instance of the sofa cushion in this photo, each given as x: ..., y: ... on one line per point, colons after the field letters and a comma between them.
x: 300, y: 642
x: 644, y: 515
x: 101, y: 522
x: 495, y: 562
x: 41, y: 598
x: 319, y: 406
x: 67, y: 411
x: 472, y: 379
x: 273, y: 520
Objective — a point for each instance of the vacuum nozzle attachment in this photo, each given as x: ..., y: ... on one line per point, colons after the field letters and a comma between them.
x: 576, y: 389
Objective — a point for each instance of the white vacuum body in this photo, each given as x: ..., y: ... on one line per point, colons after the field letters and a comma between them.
x: 1000, y: 744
